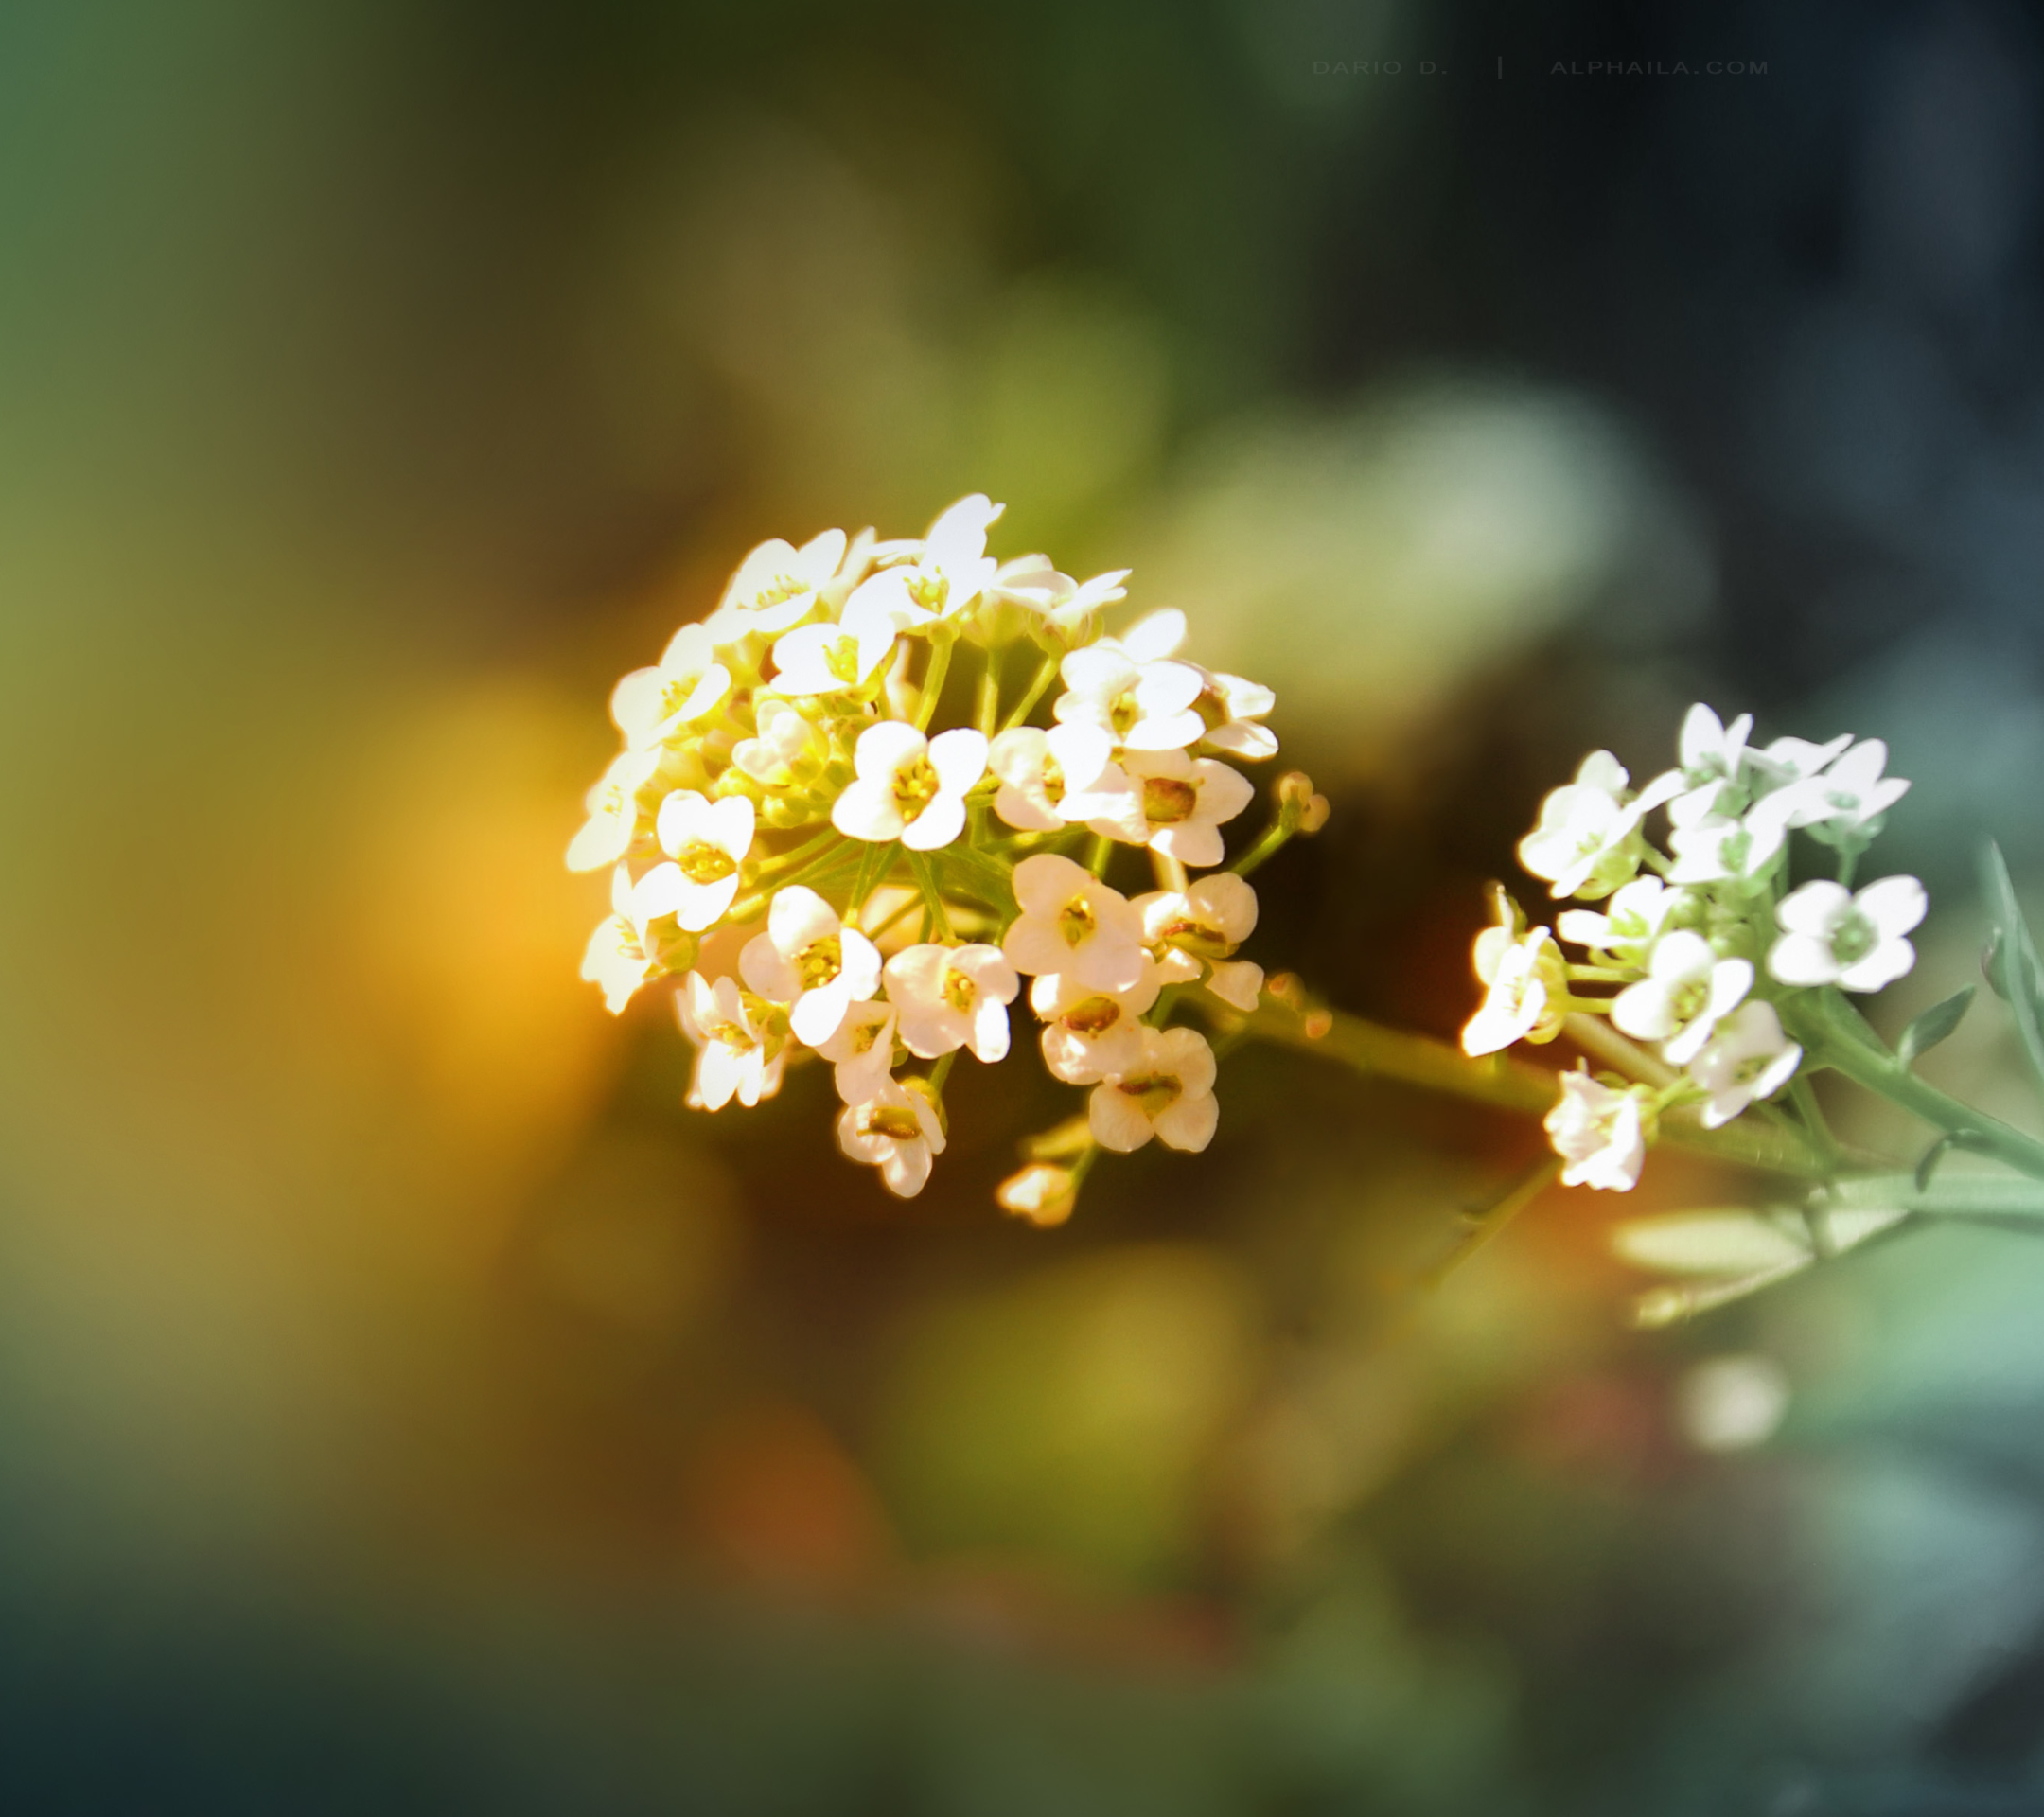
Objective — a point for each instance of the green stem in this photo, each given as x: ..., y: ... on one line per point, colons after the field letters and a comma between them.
x: 874, y: 863
x: 988, y: 714
x: 1024, y: 707
x: 904, y: 907
x: 1508, y: 1084
x: 1272, y: 841
x: 800, y: 855
x: 1600, y: 1041
x: 919, y: 867
x: 1496, y: 1218
x: 933, y: 678
x: 1803, y: 1096
x: 823, y: 865
x: 1832, y: 1031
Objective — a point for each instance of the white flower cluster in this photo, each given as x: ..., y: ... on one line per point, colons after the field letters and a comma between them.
x: 1704, y: 941
x: 834, y: 871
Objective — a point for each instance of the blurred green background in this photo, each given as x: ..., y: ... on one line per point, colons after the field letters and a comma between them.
x: 404, y: 1405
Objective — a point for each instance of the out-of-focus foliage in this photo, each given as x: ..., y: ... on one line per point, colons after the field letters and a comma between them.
x: 406, y: 1407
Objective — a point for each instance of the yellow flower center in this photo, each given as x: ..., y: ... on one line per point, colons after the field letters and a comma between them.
x: 818, y: 962
x: 895, y: 1121
x: 781, y: 588
x: 915, y: 787
x: 1154, y: 1092
x: 730, y: 1035
x: 1123, y: 712
x: 959, y: 990
x: 929, y: 592
x: 1168, y: 800
x: 1076, y: 921
x: 841, y: 659
x: 702, y: 862
x: 1053, y: 780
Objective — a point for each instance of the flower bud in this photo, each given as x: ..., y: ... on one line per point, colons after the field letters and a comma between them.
x: 1297, y: 802
x: 1041, y: 1192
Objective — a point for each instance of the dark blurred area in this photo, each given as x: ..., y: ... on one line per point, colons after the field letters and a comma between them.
x: 406, y: 1405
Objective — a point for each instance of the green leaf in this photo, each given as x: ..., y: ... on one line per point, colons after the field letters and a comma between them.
x: 1733, y: 1242
x: 1670, y: 1305
x: 1950, y: 1195
x: 1933, y: 1025
x: 2016, y: 958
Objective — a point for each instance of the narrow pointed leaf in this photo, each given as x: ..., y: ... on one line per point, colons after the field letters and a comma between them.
x: 2018, y: 960
x: 1933, y: 1025
x: 1727, y: 1243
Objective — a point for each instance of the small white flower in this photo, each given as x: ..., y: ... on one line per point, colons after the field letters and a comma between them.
x: 862, y: 1051
x: 1710, y: 750
x: 944, y: 577
x: 687, y: 682
x: 1232, y: 710
x: 1207, y: 922
x: 831, y: 658
x: 784, y: 744
x: 897, y: 1131
x: 1033, y: 583
x: 1748, y: 1057
x: 1040, y: 769
x: 910, y: 788
x: 1181, y: 805
x: 1841, y: 804
x: 1070, y: 612
x: 1141, y: 703
x: 1718, y: 847
x: 1687, y: 991
x: 1858, y: 941
x: 952, y: 996
x: 707, y: 842
x: 1168, y: 1093
x: 737, y: 1051
x: 1073, y: 924
x: 1091, y: 1033
x: 1598, y: 1133
x: 1518, y: 973
x: 617, y: 958
x: 812, y: 962
x: 1584, y: 844
x: 954, y: 553
x: 1790, y: 760
x: 613, y: 811
x: 776, y: 586
x: 1634, y: 920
